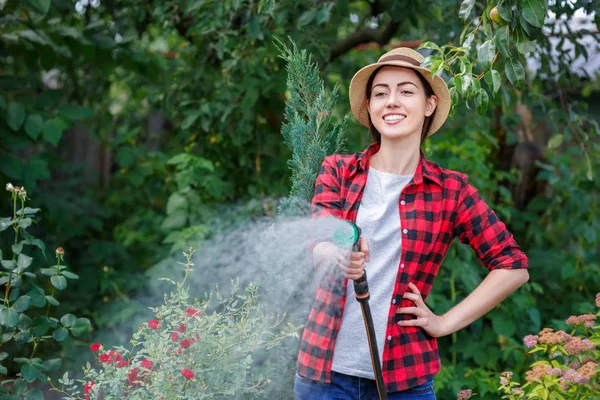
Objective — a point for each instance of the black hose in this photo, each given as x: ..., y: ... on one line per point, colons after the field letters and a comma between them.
x: 361, y: 291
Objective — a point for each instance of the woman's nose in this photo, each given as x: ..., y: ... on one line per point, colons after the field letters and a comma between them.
x: 393, y: 100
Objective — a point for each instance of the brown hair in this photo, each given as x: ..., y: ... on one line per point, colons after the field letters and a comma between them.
x: 428, y: 92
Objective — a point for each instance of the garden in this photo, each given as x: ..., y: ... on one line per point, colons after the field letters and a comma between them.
x: 159, y: 160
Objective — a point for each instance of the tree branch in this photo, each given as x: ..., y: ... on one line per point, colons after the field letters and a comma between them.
x: 365, y: 35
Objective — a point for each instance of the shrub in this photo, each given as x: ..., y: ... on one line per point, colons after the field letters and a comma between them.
x: 199, y: 350
x: 24, y: 324
x: 566, y: 365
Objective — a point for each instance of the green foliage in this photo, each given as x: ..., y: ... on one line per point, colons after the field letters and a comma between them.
x: 308, y: 129
x: 191, y: 350
x: 23, y: 324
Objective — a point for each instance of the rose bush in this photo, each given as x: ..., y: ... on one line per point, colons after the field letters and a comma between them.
x: 199, y: 350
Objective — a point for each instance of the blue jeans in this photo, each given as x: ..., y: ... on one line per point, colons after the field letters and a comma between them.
x: 346, y: 387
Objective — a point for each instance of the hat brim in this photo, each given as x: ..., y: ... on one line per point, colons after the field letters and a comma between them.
x: 358, y: 93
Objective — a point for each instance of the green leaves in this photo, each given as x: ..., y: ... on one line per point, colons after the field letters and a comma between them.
x: 15, y: 116
x: 41, y: 6
x: 59, y: 282
x: 502, y: 41
x: 53, y: 129
x: 465, y: 9
x: 8, y: 318
x: 34, y: 126
x: 534, y: 12
x: 81, y: 327
x: 486, y: 53
x: 493, y: 79
x: 22, y: 304
x: 515, y: 72
x: 75, y: 112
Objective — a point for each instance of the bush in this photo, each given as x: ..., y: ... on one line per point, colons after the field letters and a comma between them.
x: 200, y: 350
x: 566, y: 366
x: 24, y: 324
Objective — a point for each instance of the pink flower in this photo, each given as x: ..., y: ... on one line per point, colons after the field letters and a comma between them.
x: 115, y: 355
x: 174, y: 337
x: 192, y: 312
x: 531, y: 340
x: 147, y: 364
x: 95, y: 347
x: 187, y: 374
x: 153, y: 324
x: 185, y: 344
x: 465, y: 394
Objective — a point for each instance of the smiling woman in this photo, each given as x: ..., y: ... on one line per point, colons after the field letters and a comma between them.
x: 409, y: 209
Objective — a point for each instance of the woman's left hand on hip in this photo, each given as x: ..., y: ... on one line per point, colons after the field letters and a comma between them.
x: 426, y: 319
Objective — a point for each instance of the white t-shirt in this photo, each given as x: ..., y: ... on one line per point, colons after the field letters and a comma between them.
x: 379, y: 219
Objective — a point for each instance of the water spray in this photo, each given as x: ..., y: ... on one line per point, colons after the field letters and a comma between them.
x: 361, y: 290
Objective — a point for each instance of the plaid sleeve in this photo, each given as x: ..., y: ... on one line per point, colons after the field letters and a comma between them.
x: 326, y: 200
x: 477, y: 225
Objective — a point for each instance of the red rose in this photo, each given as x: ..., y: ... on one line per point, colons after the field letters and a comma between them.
x: 133, y: 376
x: 88, y: 388
x: 153, y: 324
x: 187, y: 374
x: 105, y: 358
x: 115, y: 355
x: 95, y: 347
x: 181, y: 328
x: 192, y: 312
x: 147, y: 364
x: 174, y: 337
x: 185, y: 344
x: 121, y: 364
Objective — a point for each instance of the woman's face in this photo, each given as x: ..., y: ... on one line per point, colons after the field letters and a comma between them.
x: 398, y: 104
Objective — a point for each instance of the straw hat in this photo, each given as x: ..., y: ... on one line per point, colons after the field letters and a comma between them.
x: 401, y: 57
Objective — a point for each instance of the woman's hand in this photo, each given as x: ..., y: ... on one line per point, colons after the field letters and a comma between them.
x: 352, y: 264
x: 433, y: 324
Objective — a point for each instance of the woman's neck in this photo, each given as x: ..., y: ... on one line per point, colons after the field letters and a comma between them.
x: 400, y: 156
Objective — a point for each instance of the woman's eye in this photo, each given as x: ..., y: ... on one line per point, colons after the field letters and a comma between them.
x: 380, y: 94
x: 406, y: 92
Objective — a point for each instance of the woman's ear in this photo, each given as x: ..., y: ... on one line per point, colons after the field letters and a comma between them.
x: 431, y: 105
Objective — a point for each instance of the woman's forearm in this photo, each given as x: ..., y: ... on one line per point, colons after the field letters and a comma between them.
x: 491, y: 291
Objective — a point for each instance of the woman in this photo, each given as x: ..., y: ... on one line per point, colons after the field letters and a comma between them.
x: 409, y: 210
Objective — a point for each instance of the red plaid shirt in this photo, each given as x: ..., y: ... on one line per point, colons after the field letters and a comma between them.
x: 436, y: 206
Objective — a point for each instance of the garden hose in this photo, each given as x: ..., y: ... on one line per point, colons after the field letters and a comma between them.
x: 361, y: 291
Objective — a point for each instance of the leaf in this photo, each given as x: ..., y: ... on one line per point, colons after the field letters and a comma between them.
x: 481, y: 101
x: 69, y: 275
x: 68, y: 320
x: 486, y: 53
x: 176, y: 202
x: 493, y: 79
x: 81, y: 327
x: 41, y: 5
x: 75, y: 112
x: 29, y: 372
x: 8, y: 318
x: 25, y: 223
x: 24, y: 322
x: 40, y: 326
x: 515, y: 73
x: 17, y: 248
x: 505, y: 11
x: 48, y: 271
x: 15, y: 116
x: 465, y: 9
x: 60, y: 334
x: 53, y: 129
x: 503, y: 325
x: 502, y: 41
x: 526, y: 46
x: 19, y: 386
x: 33, y: 126
x: 9, y: 264
x: 52, y: 364
x: 52, y: 301
x: 28, y: 211
x: 23, y: 262
x: 22, y: 304
x: 534, y: 12
x: 59, y: 282
x: 555, y: 141
x: 34, y: 394
x: 306, y: 18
